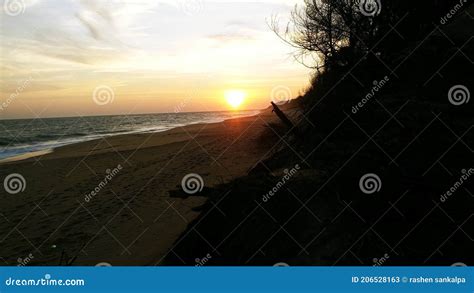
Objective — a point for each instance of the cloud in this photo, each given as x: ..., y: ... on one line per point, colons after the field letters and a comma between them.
x: 231, y: 37
x: 96, y: 18
x: 155, y: 47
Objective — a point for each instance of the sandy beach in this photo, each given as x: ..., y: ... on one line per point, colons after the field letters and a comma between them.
x: 130, y: 219
x: 235, y: 133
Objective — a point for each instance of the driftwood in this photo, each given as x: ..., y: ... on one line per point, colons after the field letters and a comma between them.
x: 282, y: 116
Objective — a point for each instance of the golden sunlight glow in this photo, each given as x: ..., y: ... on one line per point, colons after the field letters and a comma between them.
x: 235, y: 97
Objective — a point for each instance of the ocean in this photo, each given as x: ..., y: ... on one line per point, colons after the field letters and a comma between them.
x: 23, y: 136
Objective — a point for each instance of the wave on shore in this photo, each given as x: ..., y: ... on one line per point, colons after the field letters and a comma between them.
x: 18, y: 137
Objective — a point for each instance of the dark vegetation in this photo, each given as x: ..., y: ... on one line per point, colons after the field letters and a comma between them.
x: 408, y: 133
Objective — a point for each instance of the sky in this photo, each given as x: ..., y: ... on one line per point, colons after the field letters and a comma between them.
x: 62, y: 58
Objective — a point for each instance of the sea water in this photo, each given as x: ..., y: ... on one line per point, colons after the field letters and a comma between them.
x: 24, y: 136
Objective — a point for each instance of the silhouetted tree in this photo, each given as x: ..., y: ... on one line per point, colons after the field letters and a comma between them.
x: 324, y: 27
x: 338, y: 32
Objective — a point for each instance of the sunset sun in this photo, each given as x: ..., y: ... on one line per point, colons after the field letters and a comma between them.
x: 235, y: 98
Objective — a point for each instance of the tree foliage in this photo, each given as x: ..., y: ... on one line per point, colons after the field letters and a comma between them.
x: 338, y: 32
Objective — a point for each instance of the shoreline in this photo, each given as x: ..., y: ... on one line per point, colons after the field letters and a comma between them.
x: 26, y: 156
x: 45, y: 151
x: 133, y: 219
